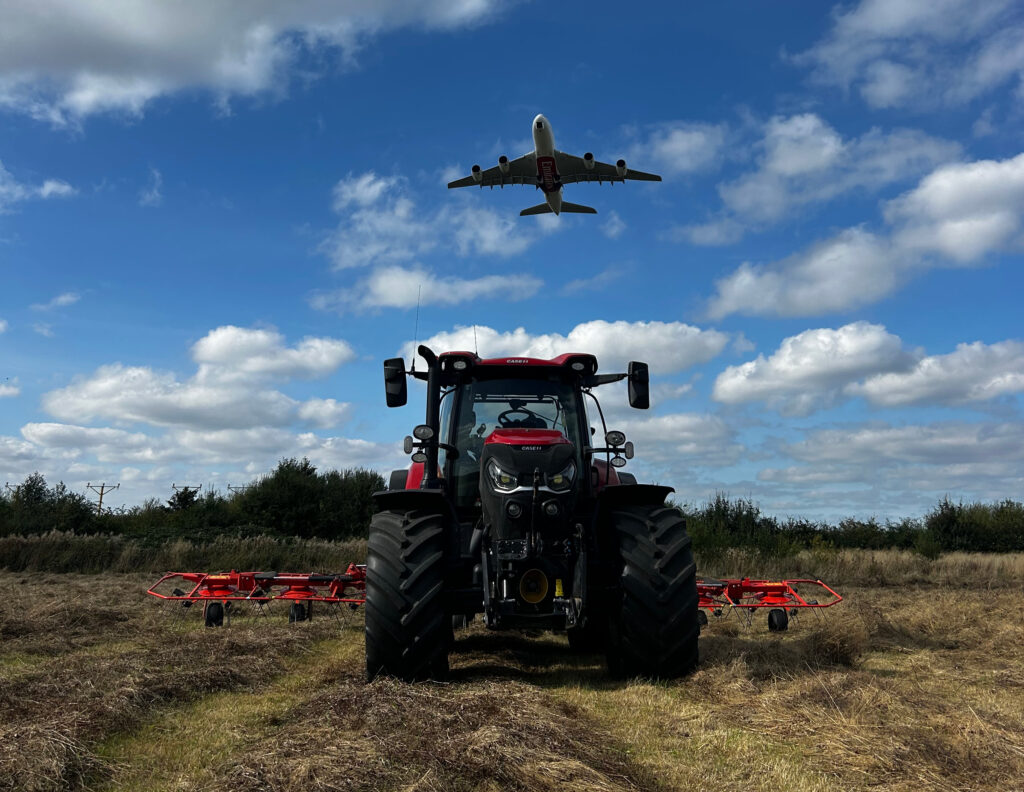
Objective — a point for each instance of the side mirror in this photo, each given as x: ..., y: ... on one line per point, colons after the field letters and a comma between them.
x: 639, y: 385
x: 395, y: 390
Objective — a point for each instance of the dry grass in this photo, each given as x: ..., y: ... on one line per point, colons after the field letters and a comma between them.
x: 872, y: 567
x: 898, y: 689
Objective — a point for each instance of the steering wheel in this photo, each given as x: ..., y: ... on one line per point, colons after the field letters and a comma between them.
x: 509, y: 423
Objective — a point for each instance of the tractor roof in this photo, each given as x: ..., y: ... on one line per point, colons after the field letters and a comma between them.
x: 577, y: 362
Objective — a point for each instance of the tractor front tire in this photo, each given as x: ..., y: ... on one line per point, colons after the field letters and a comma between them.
x: 653, y: 622
x: 408, y: 631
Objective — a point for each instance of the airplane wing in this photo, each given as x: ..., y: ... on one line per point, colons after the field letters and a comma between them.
x: 574, y: 169
x: 520, y: 171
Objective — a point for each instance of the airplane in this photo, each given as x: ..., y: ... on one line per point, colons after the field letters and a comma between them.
x: 547, y: 169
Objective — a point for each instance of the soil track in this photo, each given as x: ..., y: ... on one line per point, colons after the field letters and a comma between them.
x: 100, y: 689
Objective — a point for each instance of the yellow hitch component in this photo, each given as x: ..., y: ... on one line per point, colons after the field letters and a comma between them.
x: 558, y: 588
x: 533, y: 586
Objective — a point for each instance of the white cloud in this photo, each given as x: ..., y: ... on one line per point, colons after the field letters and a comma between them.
x: 613, y: 226
x: 9, y: 388
x: 225, y: 392
x: 804, y: 161
x: 381, y: 224
x: 398, y: 287
x: 700, y: 439
x: 61, y: 60
x: 43, y: 329
x: 957, y: 215
x: 667, y: 346
x: 812, y: 369
x: 962, y: 211
x: 55, y: 188
x: 921, y: 53
x: 60, y: 301
x: 819, y: 368
x: 946, y: 443
x: 594, y: 282
x: 3, y: 325
x: 151, y: 195
x: 851, y: 269
x: 12, y: 191
x: 324, y: 413
x: 974, y: 372
x: 678, y: 147
x: 231, y: 353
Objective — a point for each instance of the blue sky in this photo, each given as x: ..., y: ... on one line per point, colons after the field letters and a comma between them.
x: 215, y: 220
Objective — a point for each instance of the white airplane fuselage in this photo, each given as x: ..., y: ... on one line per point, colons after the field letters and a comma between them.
x: 548, y: 178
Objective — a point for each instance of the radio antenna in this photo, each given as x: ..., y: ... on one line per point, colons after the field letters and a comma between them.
x: 416, y: 331
x: 476, y: 349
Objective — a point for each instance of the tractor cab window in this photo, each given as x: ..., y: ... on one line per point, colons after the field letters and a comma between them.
x: 486, y: 405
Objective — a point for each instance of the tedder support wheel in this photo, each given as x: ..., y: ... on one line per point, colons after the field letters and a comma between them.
x: 778, y: 620
x: 214, y: 614
x: 408, y: 631
x: 653, y: 622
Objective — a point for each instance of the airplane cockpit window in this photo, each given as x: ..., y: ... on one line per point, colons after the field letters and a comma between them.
x: 540, y: 125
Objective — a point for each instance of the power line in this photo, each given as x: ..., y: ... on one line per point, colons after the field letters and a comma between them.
x: 101, y: 490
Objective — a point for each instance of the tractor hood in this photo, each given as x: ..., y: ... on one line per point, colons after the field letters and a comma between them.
x: 523, y: 438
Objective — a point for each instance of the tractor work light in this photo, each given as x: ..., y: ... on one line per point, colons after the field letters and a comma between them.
x: 423, y: 432
x: 420, y: 457
x: 407, y: 444
x: 615, y: 439
x: 501, y: 480
x: 618, y: 461
x: 562, y: 480
x: 551, y: 508
x: 514, y: 510
x: 460, y: 365
x: 578, y: 365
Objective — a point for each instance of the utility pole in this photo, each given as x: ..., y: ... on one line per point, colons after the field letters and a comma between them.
x: 14, y: 489
x: 240, y: 488
x: 186, y: 487
x: 101, y: 490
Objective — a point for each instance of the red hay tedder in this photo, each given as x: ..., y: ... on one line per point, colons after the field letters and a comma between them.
x: 781, y: 597
x: 224, y: 594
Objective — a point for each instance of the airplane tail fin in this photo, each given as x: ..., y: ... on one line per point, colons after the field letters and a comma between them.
x: 577, y: 208
x: 535, y: 210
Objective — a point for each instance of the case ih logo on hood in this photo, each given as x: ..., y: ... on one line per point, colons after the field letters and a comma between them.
x: 531, y: 448
x: 517, y: 360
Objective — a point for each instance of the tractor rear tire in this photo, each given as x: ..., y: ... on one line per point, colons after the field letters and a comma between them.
x: 653, y: 622
x: 408, y: 631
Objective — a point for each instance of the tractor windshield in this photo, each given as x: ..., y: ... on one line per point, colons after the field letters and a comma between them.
x: 486, y: 405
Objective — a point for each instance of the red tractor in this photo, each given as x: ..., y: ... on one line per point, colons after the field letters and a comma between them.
x: 509, y: 510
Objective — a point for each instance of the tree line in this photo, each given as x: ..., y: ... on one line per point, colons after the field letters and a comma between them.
x: 296, y: 500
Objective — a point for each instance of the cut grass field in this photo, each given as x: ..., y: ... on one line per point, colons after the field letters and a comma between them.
x: 914, y: 689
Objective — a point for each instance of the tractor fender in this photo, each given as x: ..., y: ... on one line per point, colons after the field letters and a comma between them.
x: 618, y: 495
x: 423, y: 500
x: 407, y: 500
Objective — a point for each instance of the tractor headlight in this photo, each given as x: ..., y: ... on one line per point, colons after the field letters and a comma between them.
x: 501, y: 479
x: 562, y: 480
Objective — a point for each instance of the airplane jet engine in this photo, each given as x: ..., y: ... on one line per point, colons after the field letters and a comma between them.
x: 620, y: 168
x: 503, y: 164
x: 477, y: 175
x: 588, y: 161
